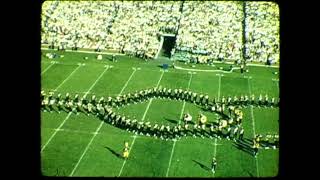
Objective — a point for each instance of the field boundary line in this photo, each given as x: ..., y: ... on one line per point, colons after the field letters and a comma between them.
x: 205, y: 70
x: 120, y: 54
x: 98, y: 129
x: 174, y: 143
x: 253, y: 128
x: 84, y: 51
x: 144, y: 115
x: 277, y: 83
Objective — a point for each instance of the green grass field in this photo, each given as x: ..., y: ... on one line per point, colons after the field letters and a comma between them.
x: 81, y: 145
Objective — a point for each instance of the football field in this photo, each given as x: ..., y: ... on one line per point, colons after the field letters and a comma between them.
x: 82, y: 145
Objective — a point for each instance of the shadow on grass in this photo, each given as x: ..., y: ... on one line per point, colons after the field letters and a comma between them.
x: 109, y: 58
x: 247, y: 141
x: 202, y: 165
x: 113, y: 152
x: 251, y: 175
x: 60, y: 173
x: 243, y: 147
x: 171, y: 120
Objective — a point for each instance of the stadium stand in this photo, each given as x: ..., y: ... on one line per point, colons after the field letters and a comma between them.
x: 204, y: 30
x: 217, y: 35
x: 262, y: 32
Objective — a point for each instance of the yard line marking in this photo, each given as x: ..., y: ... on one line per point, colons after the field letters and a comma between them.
x: 125, y: 85
x: 97, y: 80
x: 253, y: 127
x: 55, y: 132
x: 253, y: 124
x: 217, y: 144
x: 277, y: 82
x: 67, y: 78
x: 135, y: 137
x: 174, y: 143
x: 215, y: 147
x: 87, y: 147
x: 47, y: 68
x: 144, y: 115
x: 215, y: 140
x: 219, y: 88
x: 98, y: 129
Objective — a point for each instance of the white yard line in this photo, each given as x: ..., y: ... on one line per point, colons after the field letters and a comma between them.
x: 144, y: 115
x: 277, y: 83
x: 87, y: 147
x: 97, y: 80
x: 125, y: 85
x: 219, y: 87
x: 215, y: 140
x: 47, y: 68
x: 97, y: 130
x: 174, y: 143
x: 67, y: 78
x: 253, y: 128
x: 55, y: 132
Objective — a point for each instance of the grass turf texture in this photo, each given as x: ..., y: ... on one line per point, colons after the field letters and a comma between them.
x: 69, y: 152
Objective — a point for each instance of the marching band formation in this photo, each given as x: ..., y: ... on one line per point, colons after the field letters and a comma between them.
x: 229, y: 124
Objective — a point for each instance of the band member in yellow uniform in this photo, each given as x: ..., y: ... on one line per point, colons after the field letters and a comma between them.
x: 126, y: 150
x: 256, y: 145
x: 202, y: 119
x: 202, y: 122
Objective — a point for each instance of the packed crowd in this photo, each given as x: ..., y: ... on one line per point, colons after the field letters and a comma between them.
x: 73, y: 24
x: 219, y: 36
x: 137, y: 33
x: 109, y: 25
x: 209, y: 28
x: 262, y: 32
